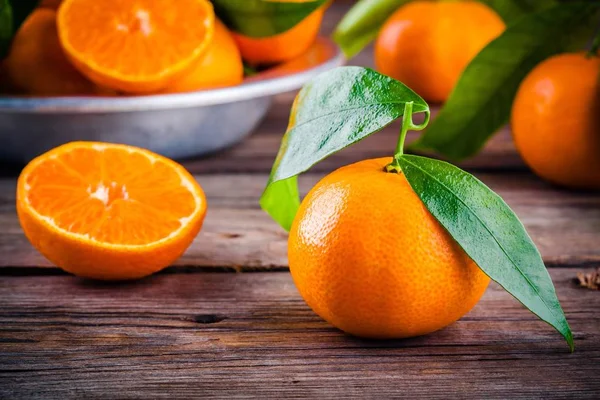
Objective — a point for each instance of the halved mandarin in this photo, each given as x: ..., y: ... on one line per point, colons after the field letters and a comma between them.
x: 108, y: 211
x: 135, y: 46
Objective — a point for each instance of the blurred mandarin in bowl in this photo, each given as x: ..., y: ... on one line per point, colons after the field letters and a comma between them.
x: 220, y: 66
x: 37, y: 65
x: 283, y: 46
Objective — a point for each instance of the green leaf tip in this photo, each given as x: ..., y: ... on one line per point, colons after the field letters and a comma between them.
x: 489, y: 232
x: 6, y: 27
x: 12, y: 15
x: 336, y: 109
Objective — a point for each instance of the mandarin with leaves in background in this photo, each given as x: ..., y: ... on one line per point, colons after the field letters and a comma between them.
x: 427, y: 44
x: 400, y: 246
x: 482, y: 100
x: 556, y: 120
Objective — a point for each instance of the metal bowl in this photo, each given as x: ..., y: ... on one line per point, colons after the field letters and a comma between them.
x: 175, y: 125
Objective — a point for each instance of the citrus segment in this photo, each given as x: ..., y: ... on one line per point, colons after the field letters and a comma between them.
x: 109, y: 211
x: 368, y: 257
x: 135, y: 46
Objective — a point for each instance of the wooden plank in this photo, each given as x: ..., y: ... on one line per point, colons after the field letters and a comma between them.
x: 238, y: 235
x: 250, y: 335
x: 257, y: 153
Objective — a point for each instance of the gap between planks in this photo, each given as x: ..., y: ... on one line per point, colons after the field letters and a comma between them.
x: 238, y: 236
x: 178, y: 335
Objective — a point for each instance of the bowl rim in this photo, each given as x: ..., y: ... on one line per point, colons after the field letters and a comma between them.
x: 252, y: 88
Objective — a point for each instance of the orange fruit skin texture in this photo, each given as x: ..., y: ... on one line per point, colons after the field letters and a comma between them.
x: 37, y: 64
x: 427, y: 44
x: 556, y: 120
x: 113, y: 214
x: 284, y: 46
x: 135, y: 46
x: 369, y: 258
x: 221, y: 66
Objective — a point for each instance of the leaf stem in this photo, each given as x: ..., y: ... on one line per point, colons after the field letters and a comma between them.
x: 407, y: 125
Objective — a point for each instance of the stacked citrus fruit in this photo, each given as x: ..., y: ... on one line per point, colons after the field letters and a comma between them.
x: 82, y: 47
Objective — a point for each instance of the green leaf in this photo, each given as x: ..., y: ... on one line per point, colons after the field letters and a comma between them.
x: 481, y: 102
x: 263, y: 18
x: 336, y: 109
x: 489, y: 232
x: 512, y: 10
x: 11, y: 18
x: 21, y: 10
x: 361, y: 24
x: 6, y: 27
x: 249, y: 70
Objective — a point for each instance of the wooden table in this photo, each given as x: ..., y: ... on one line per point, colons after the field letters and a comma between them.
x: 226, y: 319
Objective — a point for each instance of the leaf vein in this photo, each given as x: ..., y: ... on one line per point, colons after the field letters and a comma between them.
x: 487, y: 229
x: 342, y: 110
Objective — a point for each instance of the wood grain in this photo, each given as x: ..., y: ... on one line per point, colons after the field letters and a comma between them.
x: 215, y: 335
x: 238, y: 235
x: 250, y: 335
x: 258, y: 151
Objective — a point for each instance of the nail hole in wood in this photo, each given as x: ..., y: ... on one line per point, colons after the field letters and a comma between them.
x: 208, y: 318
x: 231, y: 235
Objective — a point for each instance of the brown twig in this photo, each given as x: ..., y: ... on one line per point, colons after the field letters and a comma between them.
x: 590, y: 280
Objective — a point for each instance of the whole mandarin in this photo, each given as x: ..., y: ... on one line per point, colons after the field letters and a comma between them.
x: 221, y: 66
x: 427, y: 44
x: 556, y: 120
x: 376, y: 265
x: 36, y: 63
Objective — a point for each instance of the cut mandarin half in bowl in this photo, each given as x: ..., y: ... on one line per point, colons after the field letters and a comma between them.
x: 107, y: 211
x: 135, y: 46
